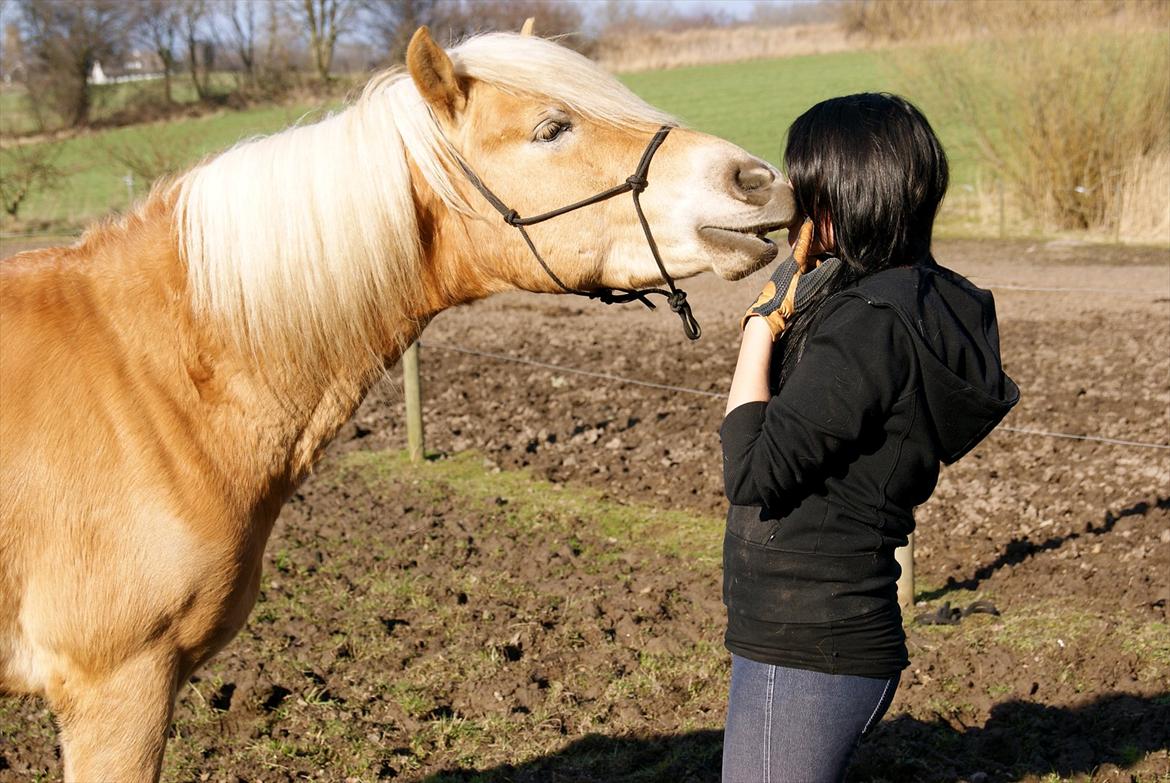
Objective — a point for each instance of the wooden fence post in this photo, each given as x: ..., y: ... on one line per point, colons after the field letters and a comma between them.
x: 413, y: 393
x: 905, y: 557
x: 1002, y: 209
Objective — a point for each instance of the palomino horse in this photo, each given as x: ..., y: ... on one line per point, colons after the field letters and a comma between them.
x: 170, y: 379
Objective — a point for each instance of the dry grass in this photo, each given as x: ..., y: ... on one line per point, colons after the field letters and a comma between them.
x: 1144, y: 203
x: 645, y: 50
x: 950, y: 20
x: 1068, y: 104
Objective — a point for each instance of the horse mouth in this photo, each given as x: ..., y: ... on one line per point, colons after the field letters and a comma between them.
x: 752, y: 240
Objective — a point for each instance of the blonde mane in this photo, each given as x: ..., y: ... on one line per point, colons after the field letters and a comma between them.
x: 305, y: 244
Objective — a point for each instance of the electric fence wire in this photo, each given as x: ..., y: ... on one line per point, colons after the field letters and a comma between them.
x: 721, y: 395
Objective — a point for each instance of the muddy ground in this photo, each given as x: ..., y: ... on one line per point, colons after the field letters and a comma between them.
x: 540, y: 600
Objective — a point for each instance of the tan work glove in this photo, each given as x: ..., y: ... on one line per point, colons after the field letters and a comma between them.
x: 793, y: 283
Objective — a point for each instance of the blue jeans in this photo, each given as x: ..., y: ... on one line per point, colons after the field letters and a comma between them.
x: 797, y: 726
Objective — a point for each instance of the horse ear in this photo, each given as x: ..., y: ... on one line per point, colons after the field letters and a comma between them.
x: 434, y: 74
x: 529, y: 23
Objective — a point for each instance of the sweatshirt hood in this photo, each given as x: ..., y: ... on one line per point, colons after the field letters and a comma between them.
x: 966, y: 391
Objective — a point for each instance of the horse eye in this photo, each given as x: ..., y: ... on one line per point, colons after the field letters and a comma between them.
x: 550, y: 130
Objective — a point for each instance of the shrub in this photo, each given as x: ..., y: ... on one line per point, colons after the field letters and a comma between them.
x: 163, y: 150
x: 25, y: 169
x: 1068, y: 103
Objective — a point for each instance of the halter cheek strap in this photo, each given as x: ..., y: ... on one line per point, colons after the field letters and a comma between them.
x: 634, y: 184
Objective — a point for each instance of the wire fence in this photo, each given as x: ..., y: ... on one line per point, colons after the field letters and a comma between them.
x: 904, y: 555
x: 1076, y: 290
x: 722, y: 395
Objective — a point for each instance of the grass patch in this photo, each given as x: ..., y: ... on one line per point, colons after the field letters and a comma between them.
x: 749, y: 103
x: 1049, y: 626
x: 1044, y: 626
x: 753, y: 103
x: 370, y: 690
x: 96, y: 184
x: 529, y: 502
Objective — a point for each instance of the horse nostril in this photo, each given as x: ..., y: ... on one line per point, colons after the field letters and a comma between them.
x: 753, y: 176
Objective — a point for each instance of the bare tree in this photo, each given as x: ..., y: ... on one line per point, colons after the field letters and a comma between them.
x: 325, y: 20
x: 462, y: 18
x: 192, y: 17
x: 242, y: 21
x: 64, y: 41
x: 279, y: 42
x: 157, y: 27
x: 390, y: 23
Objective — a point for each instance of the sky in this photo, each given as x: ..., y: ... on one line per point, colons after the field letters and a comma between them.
x: 737, y: 9
x: 740, y: 9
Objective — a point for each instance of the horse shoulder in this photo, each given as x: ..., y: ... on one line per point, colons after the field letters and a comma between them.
x: 109, y: 475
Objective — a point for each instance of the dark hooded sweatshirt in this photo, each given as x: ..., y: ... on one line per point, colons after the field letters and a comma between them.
x: 899, y: 374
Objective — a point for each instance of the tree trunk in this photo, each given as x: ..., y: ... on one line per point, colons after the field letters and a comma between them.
x: 324, y: 54
x: 79, y: 116
x: 167, y: 58
x: 193, y: 65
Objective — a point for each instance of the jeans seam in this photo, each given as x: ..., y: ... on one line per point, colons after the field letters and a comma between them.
x: 877, y: 707
x: 768, y: 725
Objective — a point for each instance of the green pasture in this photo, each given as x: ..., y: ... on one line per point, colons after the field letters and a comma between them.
x: 97, y: 182
x: 17, y: 118
x: 750, y: 103
x: 753, y: 103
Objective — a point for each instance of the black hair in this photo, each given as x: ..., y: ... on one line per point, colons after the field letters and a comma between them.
x: 872, y: 165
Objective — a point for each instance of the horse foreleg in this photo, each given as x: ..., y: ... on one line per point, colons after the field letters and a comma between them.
x: 114, y: 724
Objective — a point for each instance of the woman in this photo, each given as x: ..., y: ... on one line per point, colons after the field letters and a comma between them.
x: 838, y: 418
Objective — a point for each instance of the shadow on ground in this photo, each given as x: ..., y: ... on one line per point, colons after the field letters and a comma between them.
x: 1021, y: 738
x: 1018, y: 550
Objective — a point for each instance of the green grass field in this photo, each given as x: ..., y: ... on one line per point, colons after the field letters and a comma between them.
x: 753, y: 103
x: 108, y: 100
x: 96, y: 181
x: 750, y: 103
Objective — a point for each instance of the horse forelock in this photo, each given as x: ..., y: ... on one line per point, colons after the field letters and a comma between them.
x: 542, y: 68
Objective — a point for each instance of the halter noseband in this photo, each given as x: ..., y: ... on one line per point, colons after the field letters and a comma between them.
x: 634, y: 184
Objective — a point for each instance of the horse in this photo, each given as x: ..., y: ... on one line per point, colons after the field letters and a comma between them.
x: 170, y: 379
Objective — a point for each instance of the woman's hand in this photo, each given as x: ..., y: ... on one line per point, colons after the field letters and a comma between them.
x: 794, y: 282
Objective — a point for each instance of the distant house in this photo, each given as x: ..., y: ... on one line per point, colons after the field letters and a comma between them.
x: 138, y: 66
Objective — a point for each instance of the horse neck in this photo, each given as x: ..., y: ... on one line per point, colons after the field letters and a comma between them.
x: 291, y: 412
x: 469, y: 258
x: 282, y: 410
x: 260, y: 426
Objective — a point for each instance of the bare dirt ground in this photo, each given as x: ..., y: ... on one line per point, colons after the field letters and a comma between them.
x: 540, y: 601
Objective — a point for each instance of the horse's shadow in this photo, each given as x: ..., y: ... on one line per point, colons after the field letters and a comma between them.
x: 1020, y: 738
